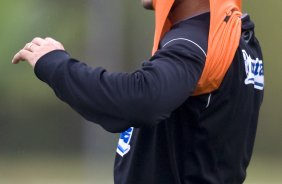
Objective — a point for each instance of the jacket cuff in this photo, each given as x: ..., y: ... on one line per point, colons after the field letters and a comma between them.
x: 45, y: 66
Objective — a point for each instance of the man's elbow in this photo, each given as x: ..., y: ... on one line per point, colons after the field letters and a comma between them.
x: 149, y: 117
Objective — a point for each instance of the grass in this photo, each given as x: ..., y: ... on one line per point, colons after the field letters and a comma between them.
x: 265, y: 170
x: 78, y: 170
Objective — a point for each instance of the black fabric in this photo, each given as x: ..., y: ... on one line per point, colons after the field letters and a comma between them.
x: 175, y: 138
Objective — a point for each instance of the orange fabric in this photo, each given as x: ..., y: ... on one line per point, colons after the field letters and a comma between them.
x: 224, y: 36
x: 162, y: 23
x: 223, y: 42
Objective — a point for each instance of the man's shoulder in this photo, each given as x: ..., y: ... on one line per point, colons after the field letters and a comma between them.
x: 192, y: 32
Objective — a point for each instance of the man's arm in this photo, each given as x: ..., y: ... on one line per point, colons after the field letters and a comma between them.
x: 118, y: 101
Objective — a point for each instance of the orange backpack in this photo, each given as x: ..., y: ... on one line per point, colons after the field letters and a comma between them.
x: 224, y: 36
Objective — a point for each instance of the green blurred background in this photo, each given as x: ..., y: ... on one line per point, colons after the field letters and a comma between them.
x: 43, y: 141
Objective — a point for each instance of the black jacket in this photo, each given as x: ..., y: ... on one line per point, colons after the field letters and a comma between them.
x: 169, y: 136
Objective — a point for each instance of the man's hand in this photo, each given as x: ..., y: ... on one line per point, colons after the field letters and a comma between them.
x: 34, y: 50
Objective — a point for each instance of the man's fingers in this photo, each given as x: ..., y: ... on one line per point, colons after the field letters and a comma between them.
x: 51, y: 40
x: 29, y: 46
x: 36, y: 49
x: 16, y: 59
x: 20, y: 56
x: 55, y: 42
x: 38, y: 41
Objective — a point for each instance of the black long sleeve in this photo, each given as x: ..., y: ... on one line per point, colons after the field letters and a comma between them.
x: 118, y: 101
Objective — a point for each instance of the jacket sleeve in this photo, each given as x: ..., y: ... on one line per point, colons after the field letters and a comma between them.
x: 118, y: 101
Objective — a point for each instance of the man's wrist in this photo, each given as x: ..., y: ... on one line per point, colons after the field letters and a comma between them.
x: 48, y: 63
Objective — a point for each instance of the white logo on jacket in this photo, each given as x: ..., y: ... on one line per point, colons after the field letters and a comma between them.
x: 124, y: 142
x: 254, y: 71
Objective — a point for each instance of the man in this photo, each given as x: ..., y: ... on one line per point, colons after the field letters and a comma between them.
x: 189, y: 114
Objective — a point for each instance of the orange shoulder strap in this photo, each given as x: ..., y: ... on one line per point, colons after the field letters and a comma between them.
x: 224, y: 36
x: 162, y: 24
